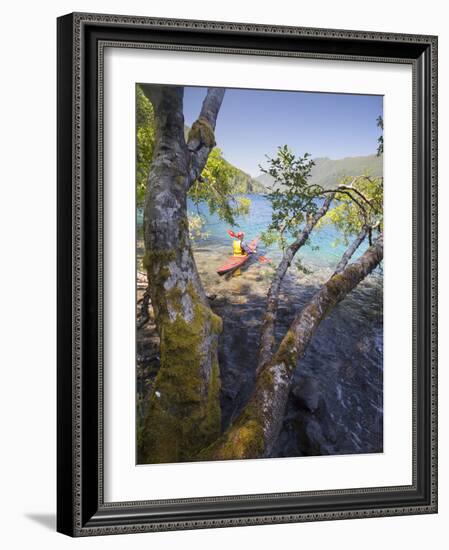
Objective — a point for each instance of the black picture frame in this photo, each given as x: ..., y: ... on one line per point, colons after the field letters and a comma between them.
x: 81, y: 510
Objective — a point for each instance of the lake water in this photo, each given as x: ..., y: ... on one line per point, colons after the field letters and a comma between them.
x: 259, y: 219
x: 336, y: 406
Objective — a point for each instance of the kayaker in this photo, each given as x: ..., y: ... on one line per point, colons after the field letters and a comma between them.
x: 245, y: 248
x: 239, y: 246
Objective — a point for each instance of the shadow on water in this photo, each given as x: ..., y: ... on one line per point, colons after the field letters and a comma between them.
x: 335, y: 405
x: 238, y: 349
x: 336, y: 402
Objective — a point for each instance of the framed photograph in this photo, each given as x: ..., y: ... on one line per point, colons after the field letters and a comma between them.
x: 246, y: 274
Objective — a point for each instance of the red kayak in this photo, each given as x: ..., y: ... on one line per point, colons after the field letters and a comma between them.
x: 237, y: 261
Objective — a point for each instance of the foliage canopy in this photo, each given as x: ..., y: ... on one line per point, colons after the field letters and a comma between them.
x: 219, y: 184
x: 145, y: 140
x: 358, y: 201
x: 291, y: 196
x: 350, y: 216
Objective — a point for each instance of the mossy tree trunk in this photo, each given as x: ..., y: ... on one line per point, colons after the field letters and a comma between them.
x: 184, y: 410
x: 257, y: 428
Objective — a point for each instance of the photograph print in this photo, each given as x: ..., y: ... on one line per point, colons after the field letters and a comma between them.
x: 259, y: 274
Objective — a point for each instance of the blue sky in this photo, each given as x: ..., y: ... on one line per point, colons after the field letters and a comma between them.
x: 252, y: 123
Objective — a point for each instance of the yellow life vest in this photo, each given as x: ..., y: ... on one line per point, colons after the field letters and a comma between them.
x: 237, y: 248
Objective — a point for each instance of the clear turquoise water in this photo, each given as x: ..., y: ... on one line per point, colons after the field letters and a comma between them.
x: 327, y: 238
x: 258, y: 220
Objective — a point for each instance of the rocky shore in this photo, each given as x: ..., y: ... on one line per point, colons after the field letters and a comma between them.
x: 335, y: 406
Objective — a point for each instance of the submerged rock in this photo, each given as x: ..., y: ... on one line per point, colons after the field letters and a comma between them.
x: 306, y: 394
x: 317, y: 441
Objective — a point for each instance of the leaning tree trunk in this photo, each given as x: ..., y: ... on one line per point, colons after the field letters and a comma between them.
x: 256, y: 430
x: 184, y: 410
x: 267, y: 334
x: 349, y: 252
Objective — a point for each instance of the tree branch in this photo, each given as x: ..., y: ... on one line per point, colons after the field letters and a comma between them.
x: 353, y: 189
x: 201, y: 138
x: 269, y: 320
x: 349, y: 252
x: 347, y: 192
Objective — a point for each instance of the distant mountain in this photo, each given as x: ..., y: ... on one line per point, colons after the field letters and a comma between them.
x: 244, y: 183
x: 266, y: 180
x: 328, y: 172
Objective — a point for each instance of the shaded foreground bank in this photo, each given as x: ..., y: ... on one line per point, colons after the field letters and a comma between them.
x: 335, y: 406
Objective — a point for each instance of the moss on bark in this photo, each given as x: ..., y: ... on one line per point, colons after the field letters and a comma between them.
x: 243, y: 440
x: 184, y: 412
x: 202, y: 132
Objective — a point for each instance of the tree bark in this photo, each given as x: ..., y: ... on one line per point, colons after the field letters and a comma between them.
x: 184, y: 409
x: 351, y: 249
x: 267, y: 337
x: 201, y: 138
x: 257, y: 428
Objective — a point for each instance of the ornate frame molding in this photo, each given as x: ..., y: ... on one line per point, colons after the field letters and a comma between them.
x: 82, y: 511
